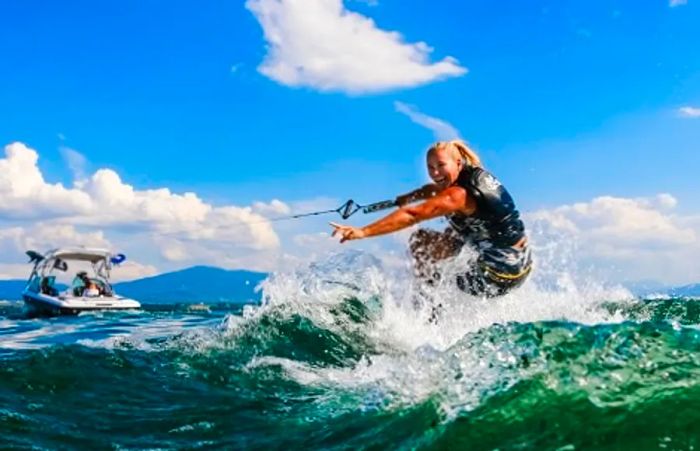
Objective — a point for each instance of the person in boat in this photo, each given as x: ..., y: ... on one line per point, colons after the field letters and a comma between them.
x: 84, y: 286
x: 78, y: 284
x: 481, y: 214
x: 47, y: 287
x: 92, y: 289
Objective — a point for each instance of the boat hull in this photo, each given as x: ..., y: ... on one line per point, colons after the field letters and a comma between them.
x: 50, y: 305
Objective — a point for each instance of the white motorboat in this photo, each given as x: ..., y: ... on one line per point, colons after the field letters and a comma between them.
x: 85, y: 293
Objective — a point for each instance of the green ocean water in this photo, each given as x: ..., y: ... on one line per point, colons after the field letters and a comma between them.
x: 332, y: 367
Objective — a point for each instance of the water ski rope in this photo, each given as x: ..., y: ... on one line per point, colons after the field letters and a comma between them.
x: 346, y: 210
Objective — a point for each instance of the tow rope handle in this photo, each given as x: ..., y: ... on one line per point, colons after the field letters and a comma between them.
x: 378, y: 206
x: 350, y: 207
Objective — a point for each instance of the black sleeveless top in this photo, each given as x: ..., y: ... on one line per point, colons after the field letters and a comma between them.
x: 496, y: 220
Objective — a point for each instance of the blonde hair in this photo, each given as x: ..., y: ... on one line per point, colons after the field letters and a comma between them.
x: 465, y: 152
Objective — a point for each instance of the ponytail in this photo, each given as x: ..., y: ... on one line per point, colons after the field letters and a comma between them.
x: 467, y: 153
x: 464, y: 151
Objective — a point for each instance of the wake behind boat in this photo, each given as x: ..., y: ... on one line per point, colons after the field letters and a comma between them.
x: 89, y: 290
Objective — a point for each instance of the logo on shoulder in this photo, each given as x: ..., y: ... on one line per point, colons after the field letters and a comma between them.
x: 490, y: 182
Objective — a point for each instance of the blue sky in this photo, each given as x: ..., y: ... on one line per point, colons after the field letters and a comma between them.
x: 566, y: 101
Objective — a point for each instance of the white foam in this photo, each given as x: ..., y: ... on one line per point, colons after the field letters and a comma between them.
x: 557, y: 290
x: 420, y: 358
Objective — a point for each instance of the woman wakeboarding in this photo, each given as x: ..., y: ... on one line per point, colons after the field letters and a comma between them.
x: 481, y: 214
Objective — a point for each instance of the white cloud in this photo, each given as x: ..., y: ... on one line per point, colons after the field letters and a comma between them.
x: 237, y: 225
x: 442, y: 130
x: 52, y: 235
x: 14, y: 271
x: 160, y: 229
x: 25, y: 194
x: 116, y: 202
x: 172, y: 249
x: 15, y: 241
x: 275, y: 207
x: 689, y: 111
x: 674, y: 3
x: 322, y: 45
x: 103, y: 202
x: 130, y: 270
x: 626, y: 222
x: 641, y: 238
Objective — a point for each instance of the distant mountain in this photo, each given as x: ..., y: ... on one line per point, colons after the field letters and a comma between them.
x: 646, y: 288
x: 212, y: 285
x: 686, y: 290
x: 642, y: 288
x: 197, y: 284
x: 11, y: 290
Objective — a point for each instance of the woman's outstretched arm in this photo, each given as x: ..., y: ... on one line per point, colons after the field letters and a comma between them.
x: 422, y: 193
x: 451, y: 200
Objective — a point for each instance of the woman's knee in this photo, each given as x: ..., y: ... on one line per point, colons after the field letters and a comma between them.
x: 422, y: 234
x: 421, y: 239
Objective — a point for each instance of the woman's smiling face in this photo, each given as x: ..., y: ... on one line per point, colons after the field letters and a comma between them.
x: 444, y: 166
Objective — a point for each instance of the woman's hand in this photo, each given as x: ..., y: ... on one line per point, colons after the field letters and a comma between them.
x: 347, y: 232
